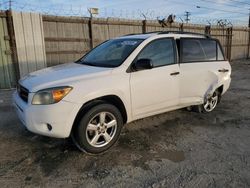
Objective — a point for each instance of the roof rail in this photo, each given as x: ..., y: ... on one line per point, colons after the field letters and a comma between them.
x: 170, y: 32
x: 184, y: 32
x: 130, y: 34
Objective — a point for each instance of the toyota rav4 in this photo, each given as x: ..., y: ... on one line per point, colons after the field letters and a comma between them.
x: 122, y: 80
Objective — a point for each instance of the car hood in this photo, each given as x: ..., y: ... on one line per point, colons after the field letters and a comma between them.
x: 60, y: 75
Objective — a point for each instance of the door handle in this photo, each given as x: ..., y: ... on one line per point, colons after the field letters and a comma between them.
x: 223, y: 70
x: 174, y: 73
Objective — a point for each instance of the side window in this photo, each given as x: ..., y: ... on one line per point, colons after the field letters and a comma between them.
x: 198, y: 50
x: 191, y: 50
x: 209, y: 47
x: 161, y: 52
x: 220, y: 55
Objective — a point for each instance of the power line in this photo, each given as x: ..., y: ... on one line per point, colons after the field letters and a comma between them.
x: 241, y: 2
x: 234, y: 12
x: 222, y: 10
x: 222, y: 3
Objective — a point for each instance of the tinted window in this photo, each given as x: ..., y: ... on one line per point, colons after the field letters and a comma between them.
x: 198, y: 50
x: 111, y: 53
x: 220, y: 55
x: 161, y: 52
x: 209, y: 47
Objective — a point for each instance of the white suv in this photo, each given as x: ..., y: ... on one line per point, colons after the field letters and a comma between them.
x: 122, y: 80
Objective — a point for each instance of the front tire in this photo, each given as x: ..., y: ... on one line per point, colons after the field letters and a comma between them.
x: 98, y: 129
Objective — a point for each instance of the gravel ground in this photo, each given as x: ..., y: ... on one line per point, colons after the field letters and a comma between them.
x: 175, y: 149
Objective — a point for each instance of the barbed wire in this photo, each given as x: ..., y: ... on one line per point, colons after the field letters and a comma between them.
x: 138, y: 14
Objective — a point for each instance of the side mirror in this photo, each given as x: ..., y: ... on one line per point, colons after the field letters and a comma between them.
x: 142, y: 64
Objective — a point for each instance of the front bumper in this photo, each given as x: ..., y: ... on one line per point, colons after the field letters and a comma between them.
x: 36, y: 118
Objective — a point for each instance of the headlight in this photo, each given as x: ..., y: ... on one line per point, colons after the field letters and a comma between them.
x: 51, y: 95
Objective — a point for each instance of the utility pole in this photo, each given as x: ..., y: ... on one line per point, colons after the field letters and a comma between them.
x: 187, y: 14
x: 10, y: 4
x: 249, y: 20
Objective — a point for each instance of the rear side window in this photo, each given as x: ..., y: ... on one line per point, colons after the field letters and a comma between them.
x: 160, y: 51
x: 209, y: 47
x: 220, y: 55
x: 199, y: 50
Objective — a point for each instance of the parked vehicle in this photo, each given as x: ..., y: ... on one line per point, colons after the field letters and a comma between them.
x: 122, y: 80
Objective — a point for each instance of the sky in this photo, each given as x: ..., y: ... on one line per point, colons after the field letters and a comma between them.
x: 236, y: 11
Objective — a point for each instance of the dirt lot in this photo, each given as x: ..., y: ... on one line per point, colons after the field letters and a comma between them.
x: 176, y: 149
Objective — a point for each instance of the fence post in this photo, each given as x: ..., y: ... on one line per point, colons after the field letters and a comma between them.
x: 248, y: 46
x: 207, y: 29
x: 230, y: 42
x: 144, y: 26
x: 229, y: 34
x: 181, y: 27
x: 91, y: 40
x: 11, y: 34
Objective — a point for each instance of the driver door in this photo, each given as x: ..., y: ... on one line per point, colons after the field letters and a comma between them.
x: 155, y: 90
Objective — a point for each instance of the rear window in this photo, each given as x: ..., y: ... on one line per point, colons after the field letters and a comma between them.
x: 200, y: 50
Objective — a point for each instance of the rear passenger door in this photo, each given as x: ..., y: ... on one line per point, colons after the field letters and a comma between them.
x: 200, y: 62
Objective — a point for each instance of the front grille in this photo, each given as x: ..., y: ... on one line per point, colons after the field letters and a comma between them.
x: 23, y: 92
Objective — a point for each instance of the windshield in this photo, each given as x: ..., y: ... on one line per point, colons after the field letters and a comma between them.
x: 111, y: 53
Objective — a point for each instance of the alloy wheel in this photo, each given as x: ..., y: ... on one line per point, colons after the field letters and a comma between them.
x: 101, y: 129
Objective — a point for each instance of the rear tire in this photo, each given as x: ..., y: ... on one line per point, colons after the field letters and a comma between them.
x: 209, y: 104
x: 98, y: 129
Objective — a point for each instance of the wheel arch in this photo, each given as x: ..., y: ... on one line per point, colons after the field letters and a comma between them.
x: 111, y: 99
x: 220, y: 89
